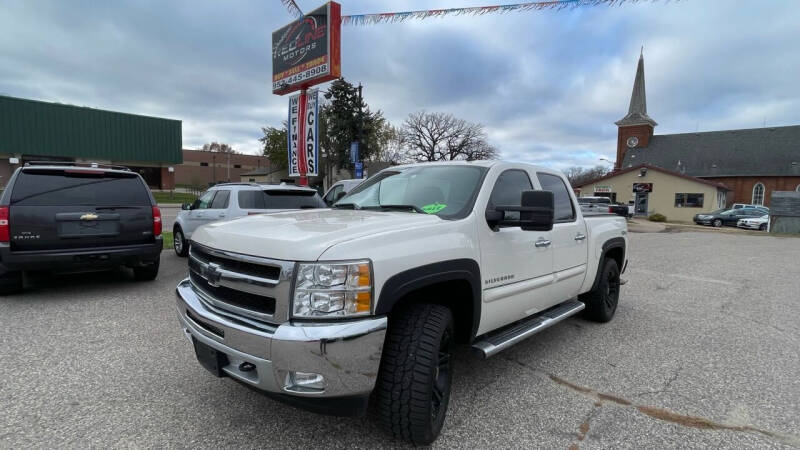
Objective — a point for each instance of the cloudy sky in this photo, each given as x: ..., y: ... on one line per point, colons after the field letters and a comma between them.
x: 547, y: 85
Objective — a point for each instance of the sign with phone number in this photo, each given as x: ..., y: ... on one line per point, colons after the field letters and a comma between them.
x: 302, y: 76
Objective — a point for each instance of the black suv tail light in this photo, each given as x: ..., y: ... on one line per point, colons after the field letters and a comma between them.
x: 5, y: 232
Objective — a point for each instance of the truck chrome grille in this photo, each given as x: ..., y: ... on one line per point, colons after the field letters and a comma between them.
x: 242, y: 285
x: 238, y: 299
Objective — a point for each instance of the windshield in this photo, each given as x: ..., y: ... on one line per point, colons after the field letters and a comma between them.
x: 446, y: 191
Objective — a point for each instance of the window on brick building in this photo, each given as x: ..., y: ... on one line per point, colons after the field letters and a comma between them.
x: 237, y: 166
x: 204, y: 164
x: 758, y: 194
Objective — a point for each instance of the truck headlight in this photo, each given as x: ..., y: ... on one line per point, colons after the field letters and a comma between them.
x: 340, y: 289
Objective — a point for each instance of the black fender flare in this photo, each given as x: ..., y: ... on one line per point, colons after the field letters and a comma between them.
x: 403, y: 283
x: 612, y: 243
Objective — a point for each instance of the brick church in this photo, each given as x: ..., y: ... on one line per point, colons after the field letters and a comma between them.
x: 751, y: 163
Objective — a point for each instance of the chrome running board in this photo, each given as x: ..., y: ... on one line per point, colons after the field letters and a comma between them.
x: 509, y: 335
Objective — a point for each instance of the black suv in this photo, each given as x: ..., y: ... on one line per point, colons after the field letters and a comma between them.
x: 69, y: 217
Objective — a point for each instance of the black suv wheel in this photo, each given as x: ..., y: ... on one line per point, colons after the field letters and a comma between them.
x: 11, y: 282
x: 413, y: 387
x: 148, y: 272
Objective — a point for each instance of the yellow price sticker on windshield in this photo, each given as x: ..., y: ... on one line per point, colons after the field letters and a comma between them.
x: 433, y: 208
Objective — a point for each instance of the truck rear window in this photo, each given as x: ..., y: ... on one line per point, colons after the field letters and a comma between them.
x: 60, y: 188
x: 284, y: 199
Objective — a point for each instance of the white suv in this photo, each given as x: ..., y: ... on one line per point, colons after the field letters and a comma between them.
x: 232, y: 200
x: 339, y: 189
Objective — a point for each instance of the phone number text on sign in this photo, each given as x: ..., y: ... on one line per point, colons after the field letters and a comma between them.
x: 302, y: 76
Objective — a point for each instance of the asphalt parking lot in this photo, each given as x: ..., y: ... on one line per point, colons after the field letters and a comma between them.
x: 703, y: 352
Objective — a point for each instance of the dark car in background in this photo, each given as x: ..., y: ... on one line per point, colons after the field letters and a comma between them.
x: 72, y: 218
x: 729, y: 217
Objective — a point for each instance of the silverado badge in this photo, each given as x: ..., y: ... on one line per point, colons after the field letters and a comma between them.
x: 89, y: 216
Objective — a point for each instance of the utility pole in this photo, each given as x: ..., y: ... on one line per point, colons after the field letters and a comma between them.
x: 229, y: 167
x: 360, y: 130
x: 360, y: 116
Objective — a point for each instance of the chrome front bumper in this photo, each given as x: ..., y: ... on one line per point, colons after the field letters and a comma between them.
x: 347, y: 354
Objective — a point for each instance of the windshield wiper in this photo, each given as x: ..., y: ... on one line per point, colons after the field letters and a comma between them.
x: 346, y: 206
x: 403, y: 208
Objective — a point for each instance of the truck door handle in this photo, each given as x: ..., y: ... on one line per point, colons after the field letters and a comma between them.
x: 541, y: 242
x: 580, y: 237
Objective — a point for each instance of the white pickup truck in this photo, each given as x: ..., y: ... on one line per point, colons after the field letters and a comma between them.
x: 325, y: 308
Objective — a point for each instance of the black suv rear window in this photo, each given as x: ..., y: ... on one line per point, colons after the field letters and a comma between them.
x: 283, y: 199
x: 61, y: 188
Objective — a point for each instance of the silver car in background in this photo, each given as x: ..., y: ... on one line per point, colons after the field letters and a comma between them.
x: 233, y: 200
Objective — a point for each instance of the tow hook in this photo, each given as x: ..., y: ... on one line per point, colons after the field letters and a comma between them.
x: 247, y: 367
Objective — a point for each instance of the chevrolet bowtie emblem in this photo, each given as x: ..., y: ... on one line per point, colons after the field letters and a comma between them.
x: 89, y: 216
x: 213, y: 274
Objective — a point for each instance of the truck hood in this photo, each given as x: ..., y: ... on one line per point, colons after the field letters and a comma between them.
x: 303, y: 235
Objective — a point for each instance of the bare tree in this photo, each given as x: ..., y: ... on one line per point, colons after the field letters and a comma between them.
x: 218, y: 147
x: 442, y: 137
x: 578, y: 176
x: 388, y: 145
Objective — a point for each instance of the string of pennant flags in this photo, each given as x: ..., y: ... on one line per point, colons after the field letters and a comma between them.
x: 396, y: 17
x: 293, y: 9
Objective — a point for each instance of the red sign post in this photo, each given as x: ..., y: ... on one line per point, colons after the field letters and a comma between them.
x: 307, y: 52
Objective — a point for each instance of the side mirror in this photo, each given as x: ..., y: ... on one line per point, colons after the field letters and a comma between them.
x: 339, y: 196
x: 186, y: 206
x: 536, y: 212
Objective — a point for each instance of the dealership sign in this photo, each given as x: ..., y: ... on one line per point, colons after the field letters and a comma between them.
x: 642, y: 187
x: 307, y: 51
x: 308, y: 140
x: 602, y: 189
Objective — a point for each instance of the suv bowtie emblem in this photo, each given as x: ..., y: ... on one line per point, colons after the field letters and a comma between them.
x: 213, y: 274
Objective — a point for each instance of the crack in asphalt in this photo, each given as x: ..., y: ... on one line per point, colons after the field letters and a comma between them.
x: 583, y: 429
x: 672, y: 417
x: 664, y: 388
x: 653, y: 412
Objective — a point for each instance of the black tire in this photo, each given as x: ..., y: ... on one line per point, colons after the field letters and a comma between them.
x: 11, y: 282
x: 148, y: 272
x: 601, y: 303
x: 179, y: 243
x: 762, y: 227
x: 717, y: 223
x: 413, y: 387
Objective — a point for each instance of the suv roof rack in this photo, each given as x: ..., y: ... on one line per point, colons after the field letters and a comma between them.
x: 234, y: 183
x: 76, y: 164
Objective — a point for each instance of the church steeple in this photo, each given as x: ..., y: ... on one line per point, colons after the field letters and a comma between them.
x: 637, y: 111
x: 636, y: 128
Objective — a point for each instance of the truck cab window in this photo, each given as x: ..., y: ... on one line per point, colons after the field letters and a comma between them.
x: 564, y: 210
x: 508, y: 190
